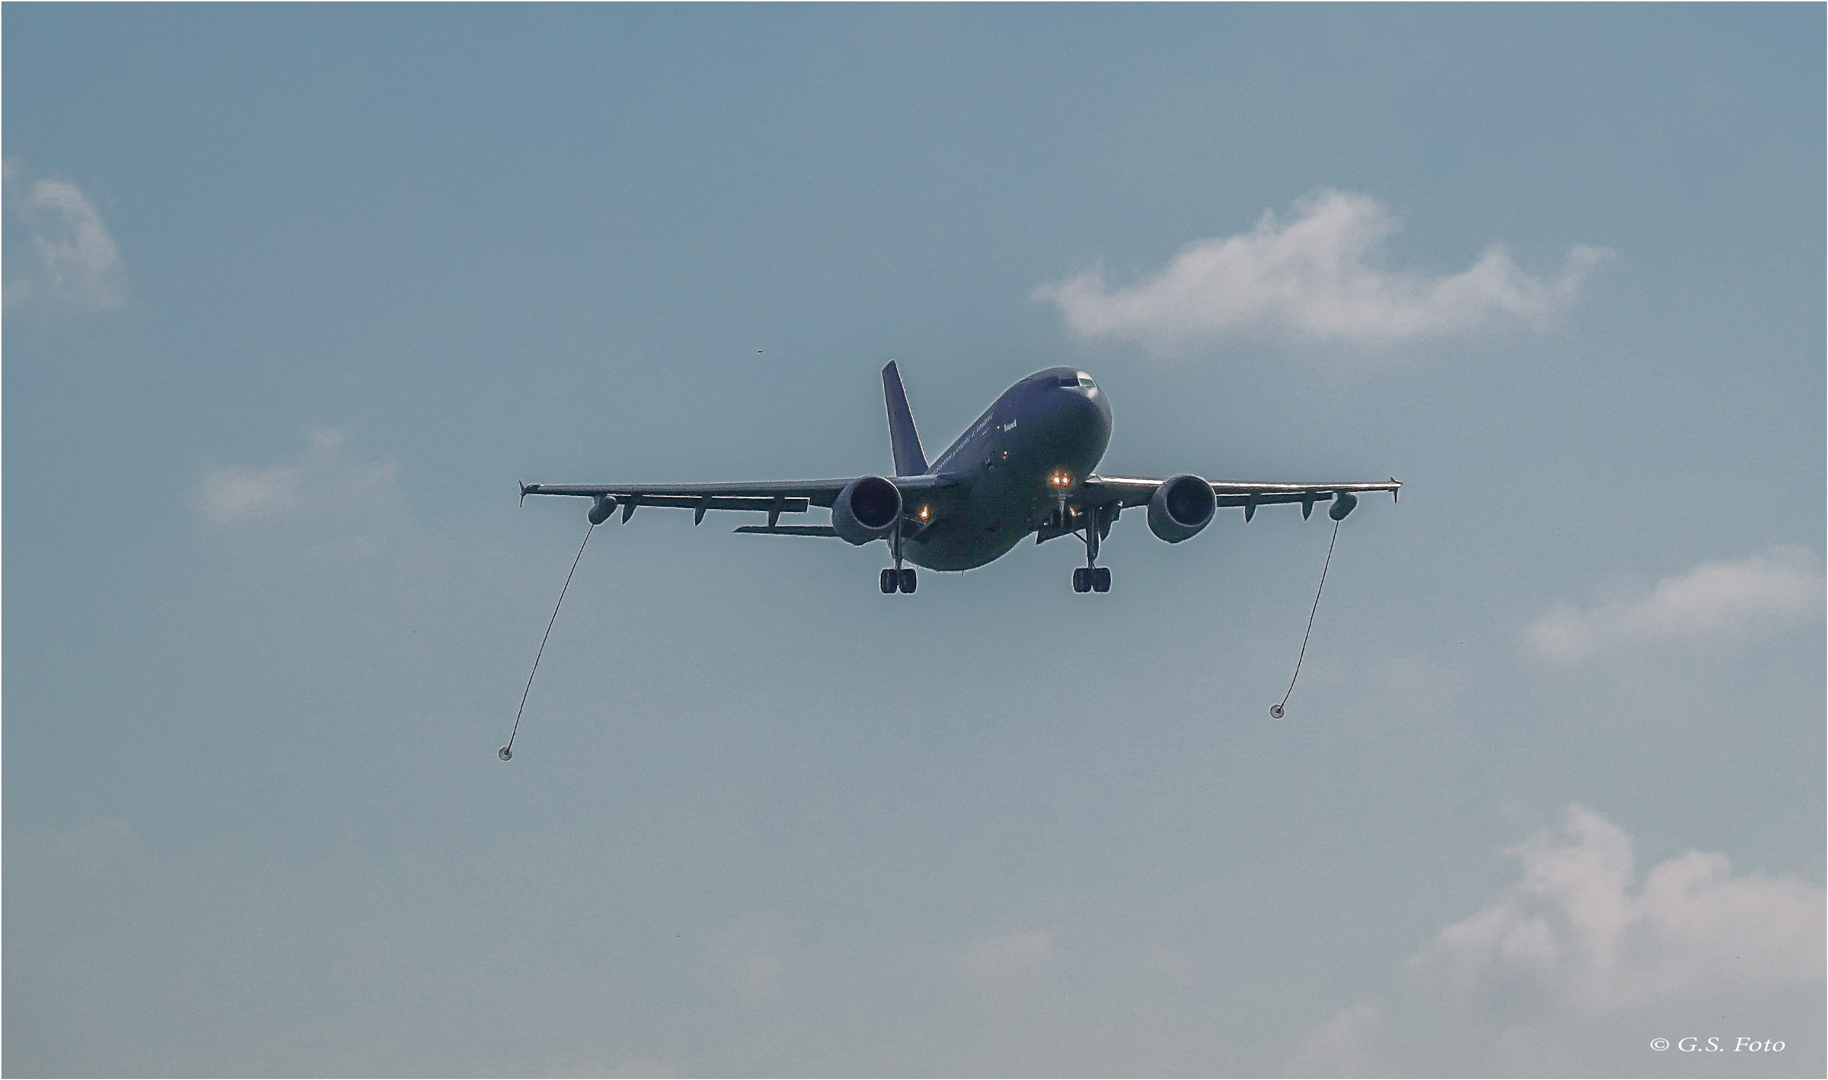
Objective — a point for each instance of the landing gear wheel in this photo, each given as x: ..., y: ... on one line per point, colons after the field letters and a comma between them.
x: 908, y: 581
x: 1081, y: 580
x: 1101, y: 579
x: 890, y: 581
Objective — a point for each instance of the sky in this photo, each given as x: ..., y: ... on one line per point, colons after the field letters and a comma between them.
x: 294, y: 296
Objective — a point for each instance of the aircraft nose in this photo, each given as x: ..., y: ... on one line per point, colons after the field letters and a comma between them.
x: 1083, y: 402
x: 1078, y: 408
x: 1096, y: 397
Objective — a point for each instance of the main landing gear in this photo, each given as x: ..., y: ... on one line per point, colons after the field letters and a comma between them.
x: 1091, y: 577
x: 898, y: 578
x: 898, y: 581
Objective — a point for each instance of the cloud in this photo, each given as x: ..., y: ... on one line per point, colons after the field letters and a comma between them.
x: 326, y: 511
x: 1315, y: 277
x: 75, y: 262
x: 1338, y: 1047
x: 1576, y: 928
x: 998, y: 961
x: 325, y: 482
x: 1713, y: 600
x: 748, y: 957
x: 1581, y: 948
x: 237, y: 494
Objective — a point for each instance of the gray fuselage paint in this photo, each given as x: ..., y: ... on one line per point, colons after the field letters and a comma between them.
x: 1005, y: 464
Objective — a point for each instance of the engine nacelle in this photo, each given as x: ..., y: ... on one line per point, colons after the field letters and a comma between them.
x: 1181, y: 507
x: 601, y: 509
x: 866, y: 510
x: 1344, y: 503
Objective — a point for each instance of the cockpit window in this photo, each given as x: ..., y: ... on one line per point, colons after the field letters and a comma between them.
x: 1086, y: 380
x: 1068, y: 380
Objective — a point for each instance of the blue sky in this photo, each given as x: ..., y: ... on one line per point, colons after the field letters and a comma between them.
x: 294, y: 295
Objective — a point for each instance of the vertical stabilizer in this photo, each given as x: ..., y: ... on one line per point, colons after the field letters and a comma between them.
x: 910, y: 460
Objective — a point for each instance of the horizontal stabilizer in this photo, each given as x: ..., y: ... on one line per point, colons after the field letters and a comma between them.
x: 788, y: 530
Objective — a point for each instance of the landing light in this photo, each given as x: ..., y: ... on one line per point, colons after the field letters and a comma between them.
x: 924, y: 511
x: 1061, y: 479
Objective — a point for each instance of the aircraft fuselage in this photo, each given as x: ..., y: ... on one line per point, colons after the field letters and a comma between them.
x: 1030, y: 449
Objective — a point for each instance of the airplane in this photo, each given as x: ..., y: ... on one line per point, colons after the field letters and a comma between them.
x: 1027, y: 466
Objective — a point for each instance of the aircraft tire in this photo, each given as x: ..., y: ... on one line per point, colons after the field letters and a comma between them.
x: 1101, y: 579
x: 889, y: 582
x: 1080, y: 584
x: 908, y: 581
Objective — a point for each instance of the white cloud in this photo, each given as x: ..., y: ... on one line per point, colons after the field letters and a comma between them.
x: 318, y: 558
x: 238, y: 494
x: 1338, y: 1047
x: 327, y: 508
x: 75, y: 261
x: 1713, y: 600
x: 748, y: 957
x: 324, y: 483
x: 997, y: 961
x: 1576, y: 928
x: 1315, y: 277
x: 1576, y: 966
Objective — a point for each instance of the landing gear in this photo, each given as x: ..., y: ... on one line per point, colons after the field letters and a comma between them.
x: 1092, y: 577
x: 899, y: 580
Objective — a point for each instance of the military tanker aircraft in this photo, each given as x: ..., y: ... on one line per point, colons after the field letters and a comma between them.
x: 1027, y: 466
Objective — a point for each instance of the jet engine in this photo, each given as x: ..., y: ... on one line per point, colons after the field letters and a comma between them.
x: 1343, y: 503
x: 1181, y: 507
x: 866, y: 510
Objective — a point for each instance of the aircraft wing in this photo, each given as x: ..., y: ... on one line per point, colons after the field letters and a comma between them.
x: 1126, y: 491
x: 773, y: 497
